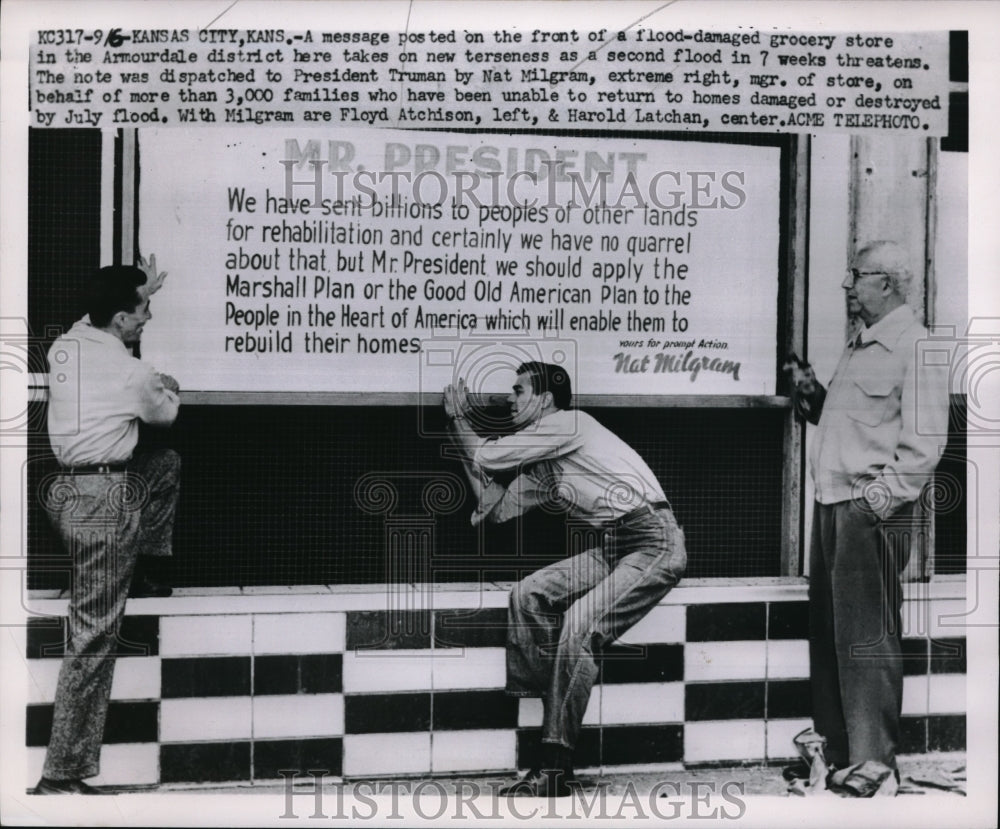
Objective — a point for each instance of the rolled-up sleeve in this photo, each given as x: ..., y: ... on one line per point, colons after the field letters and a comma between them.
x: 492, y: 494
x: 545, y: 440
x: 500, y: 503
x: 157, y: 405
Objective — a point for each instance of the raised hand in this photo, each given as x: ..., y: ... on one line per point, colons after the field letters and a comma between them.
x: 154, y: 280
x: 456, y: 399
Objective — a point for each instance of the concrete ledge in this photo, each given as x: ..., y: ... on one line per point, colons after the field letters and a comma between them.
x: 430, y: 596
x: 232, y: 685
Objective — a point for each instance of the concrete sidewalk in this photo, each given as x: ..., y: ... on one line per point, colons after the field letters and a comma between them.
x: 738, y: 780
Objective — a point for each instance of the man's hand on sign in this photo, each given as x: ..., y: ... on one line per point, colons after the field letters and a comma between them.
x: 456, y: 400
x: 154, y: 280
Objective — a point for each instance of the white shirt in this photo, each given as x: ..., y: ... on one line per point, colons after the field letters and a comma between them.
x: 885, y: 417
x: 98, y: 393
x: 585, y: 466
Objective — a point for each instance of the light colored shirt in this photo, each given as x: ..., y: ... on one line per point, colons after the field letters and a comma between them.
x: 533, y: 487
x: 885, y: 417
x: 566, y: 458
x: 98, y: 393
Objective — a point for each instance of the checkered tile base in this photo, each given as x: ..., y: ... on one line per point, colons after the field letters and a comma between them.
x: 253, y: 687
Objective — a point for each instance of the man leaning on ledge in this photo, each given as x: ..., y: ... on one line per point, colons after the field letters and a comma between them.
x: 561, y: 617
x: 881, y: 428
x: 112, y: 507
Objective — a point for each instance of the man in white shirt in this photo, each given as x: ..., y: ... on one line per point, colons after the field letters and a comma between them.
x: 108, y: 504
x: 881, y: 428
x: 564, y: 614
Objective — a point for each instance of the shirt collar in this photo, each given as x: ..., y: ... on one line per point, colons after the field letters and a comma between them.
x: 84, y: 329
x: 887, y: 330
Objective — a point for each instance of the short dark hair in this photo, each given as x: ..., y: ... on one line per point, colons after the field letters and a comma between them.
x: 547, y: 377
x: 113, y: 289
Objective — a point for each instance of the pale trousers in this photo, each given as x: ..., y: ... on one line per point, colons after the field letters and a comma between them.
x: 105, y: 520
x: 563, y: 615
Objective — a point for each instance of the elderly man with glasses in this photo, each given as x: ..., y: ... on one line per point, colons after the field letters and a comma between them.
x: 881, y: 427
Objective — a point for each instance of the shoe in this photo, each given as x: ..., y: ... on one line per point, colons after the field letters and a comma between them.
x: 888, y: 788
x: 47, y: 786
x: 862, y: 779
x: 531, y: 778
x: 143, y: 587
x: 542, y: 783
x: 799, y: 770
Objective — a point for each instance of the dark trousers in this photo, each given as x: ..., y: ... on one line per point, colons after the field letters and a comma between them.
x: 564, y: 613
x: 105, y: 521
x: 855, y: 655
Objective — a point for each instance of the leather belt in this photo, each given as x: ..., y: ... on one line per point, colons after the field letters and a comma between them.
x: 98, y: 469
x: 646, y: 509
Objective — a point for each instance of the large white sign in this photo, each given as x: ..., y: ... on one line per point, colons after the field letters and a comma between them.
x: 395, y: 260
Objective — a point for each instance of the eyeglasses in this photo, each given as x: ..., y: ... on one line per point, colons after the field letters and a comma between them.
x: 857, y: 274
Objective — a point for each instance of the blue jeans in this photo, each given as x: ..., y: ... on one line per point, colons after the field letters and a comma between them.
x: 562, y: 615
